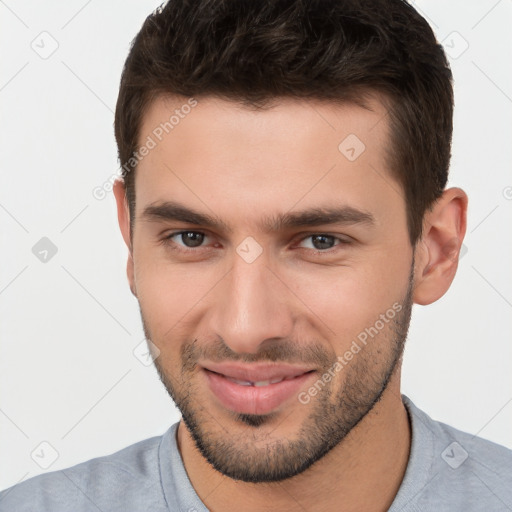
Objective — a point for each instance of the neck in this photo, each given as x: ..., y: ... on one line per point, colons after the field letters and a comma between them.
x: 363, y: 472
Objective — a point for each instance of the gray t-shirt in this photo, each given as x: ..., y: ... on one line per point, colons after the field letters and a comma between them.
x: 448, y: 470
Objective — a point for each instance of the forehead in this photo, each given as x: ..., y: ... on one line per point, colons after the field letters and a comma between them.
x: 219, y: 156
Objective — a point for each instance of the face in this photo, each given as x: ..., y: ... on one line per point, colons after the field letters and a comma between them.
x: 270, y: 245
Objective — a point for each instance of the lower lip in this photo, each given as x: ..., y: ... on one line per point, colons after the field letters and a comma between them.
x: 254, y: 399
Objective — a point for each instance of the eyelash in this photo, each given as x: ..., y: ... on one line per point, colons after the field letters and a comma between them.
x: 167, y: 242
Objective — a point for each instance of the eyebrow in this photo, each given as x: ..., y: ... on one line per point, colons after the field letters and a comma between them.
x: 345, y: 215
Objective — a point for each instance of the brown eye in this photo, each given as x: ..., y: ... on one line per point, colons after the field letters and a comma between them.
x: 187, y: 239
x: 192, y: 238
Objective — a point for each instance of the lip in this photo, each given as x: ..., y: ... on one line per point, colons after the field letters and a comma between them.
x: 256, y: 372
x: 264, y: 399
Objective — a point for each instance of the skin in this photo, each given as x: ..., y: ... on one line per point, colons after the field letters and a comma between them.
x: 290, y: 304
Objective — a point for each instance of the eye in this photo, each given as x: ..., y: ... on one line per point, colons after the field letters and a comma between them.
x: 187, y: 239
x: 323, y: 242
x: 190, y: 240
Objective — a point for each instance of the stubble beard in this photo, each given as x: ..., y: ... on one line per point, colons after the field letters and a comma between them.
x: 245, y: 455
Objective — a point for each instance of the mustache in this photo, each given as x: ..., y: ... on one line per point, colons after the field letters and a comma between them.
x: 284, y: 351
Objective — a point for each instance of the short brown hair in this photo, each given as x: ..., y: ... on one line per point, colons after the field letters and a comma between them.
x: 256, y: 51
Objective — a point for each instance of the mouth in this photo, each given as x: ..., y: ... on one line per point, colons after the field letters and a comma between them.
x: 260, y: 383
x: 258, y: 390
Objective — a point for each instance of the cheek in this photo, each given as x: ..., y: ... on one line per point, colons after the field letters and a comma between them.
x: 169, y: 297
x: 345, y: 301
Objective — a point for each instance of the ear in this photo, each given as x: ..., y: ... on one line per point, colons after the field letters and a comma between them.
x: 437, y: 252
x: 123, y: 217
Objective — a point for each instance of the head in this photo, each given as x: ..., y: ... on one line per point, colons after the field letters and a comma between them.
x: 283, y: 201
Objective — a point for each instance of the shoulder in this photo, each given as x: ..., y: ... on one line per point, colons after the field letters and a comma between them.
x: 459, y: 449
x: 464, y: 470
x: 479, y: 453
x: 103, y: 483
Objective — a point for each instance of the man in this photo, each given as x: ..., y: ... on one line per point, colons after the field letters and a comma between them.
x: 283, y: 202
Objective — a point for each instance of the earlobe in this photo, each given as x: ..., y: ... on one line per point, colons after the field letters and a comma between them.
x: 437, y: 253
x: 123, y: 217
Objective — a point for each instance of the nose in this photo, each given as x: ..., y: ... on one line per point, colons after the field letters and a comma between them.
x: 251, y: 307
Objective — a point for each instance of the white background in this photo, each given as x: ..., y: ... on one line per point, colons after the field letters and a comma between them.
x: 68, y: 328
